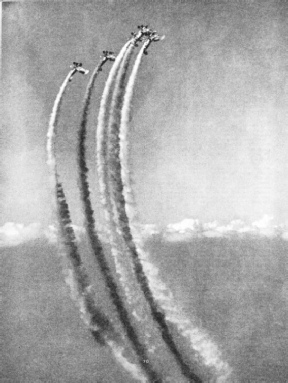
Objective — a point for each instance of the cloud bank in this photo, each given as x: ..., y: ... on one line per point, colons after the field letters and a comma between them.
x: 193, y: 228
x: 14, y: 234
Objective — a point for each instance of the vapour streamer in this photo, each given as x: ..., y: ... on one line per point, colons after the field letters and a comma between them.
x: 150, y: 335
x: 122, y: 262
x: 198, y: 339
x: 122, y: 221
x: 101, y: 133
x: 100, y: 257
x: 76, y: 276
x: 80, y: 285
x: 53, y: 126
x: 130, y: 204
x: 102, y: 166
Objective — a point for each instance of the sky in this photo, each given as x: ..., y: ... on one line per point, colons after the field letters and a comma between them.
x: 210, y: 109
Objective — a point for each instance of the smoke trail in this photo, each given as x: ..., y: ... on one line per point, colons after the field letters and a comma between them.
x: 124, y: 268
x: 101, y: 134
x: 116, y: 240
x: 198, y: 339
x: 122, y: 257
x: 89, y: 214
x: 79, y: 282
x: 123, y: 221
x: 102, y: 166
x: 130, y: 204
x: 77, y: 278
x: 53, y: 125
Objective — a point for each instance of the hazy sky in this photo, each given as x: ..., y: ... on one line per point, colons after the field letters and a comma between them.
x: 209, y: 131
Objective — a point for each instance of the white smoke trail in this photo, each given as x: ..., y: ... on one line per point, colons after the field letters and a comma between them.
x: 132, y: 277
x: 207, y: 350
x: 53, y: 125
x: 117, y: 249
x: 199, y: 340
x: 124, y: 142
x: 101, y: 134
x: 129, y: 367
x: 123, y: 264
x: 102, y: 168
x: 121, y: 254
x: 102, y: 165
x: 76, y: 276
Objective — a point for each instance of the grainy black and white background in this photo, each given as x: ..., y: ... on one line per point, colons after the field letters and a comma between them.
x: 209, y: 146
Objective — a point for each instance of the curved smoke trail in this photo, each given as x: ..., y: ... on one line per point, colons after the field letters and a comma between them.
x: 77, y: 278
x: 102, y: 165
x: 200, y: 342
x: 122, y: 220
x: 124, y: 266
x: 90, y: 222
x: 101, y: 133
x: 79, y: 281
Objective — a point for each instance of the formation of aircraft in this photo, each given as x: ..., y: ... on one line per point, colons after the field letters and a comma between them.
x: 77, y: 67
x: 144, y: 34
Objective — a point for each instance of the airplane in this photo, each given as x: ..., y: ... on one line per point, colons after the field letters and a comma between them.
x: 77, y: 67
x: 107, y: 55
x: 153, y: 36
x: 143, y: 31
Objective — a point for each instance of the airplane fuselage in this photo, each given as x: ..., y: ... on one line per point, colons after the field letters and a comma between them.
x: 77, y: 69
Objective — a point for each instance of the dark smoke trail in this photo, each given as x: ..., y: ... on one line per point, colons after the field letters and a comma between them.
x: 97, y: 322
x: 102, y: 166
x: 200, y: 341
x: 94, y: 319
x: 123, y: 221
x: 94, y: 238
x: 122, y: 258
x: 101, y: 134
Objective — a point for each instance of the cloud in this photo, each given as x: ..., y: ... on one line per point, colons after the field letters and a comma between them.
x: 187, y: 225
x: 14, y: 234
x: 193, y: 228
